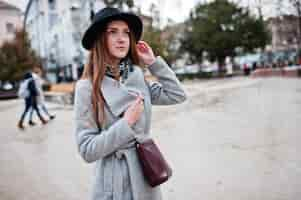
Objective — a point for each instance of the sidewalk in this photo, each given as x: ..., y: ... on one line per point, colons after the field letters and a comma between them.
x: 289, y: 72
x: 233, y: 139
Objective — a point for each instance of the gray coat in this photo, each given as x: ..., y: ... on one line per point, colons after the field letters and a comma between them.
x: 118, y: 174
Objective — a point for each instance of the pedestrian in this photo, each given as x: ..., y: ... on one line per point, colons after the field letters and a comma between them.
x: 29, y: 89
x: 36, y: 74
x: 60, y: 77
x: 113, y: 103
x: 246, y: 69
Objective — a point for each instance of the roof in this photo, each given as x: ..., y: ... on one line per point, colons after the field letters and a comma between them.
x: 5, y: 5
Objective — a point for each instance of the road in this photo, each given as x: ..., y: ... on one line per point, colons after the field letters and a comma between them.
x: 233, y: 139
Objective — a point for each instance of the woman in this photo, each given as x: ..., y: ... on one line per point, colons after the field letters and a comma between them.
x: 113, y: 104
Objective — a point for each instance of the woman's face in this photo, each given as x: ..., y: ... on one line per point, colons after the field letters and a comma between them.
x: 118, y: 39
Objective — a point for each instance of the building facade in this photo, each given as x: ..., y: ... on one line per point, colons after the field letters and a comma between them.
x: 55, y: 30
x: 11, y: 19
x: 284, y: 31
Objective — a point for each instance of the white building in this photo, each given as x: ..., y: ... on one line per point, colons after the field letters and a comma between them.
x: 55, y: 28
x: 284, y: 31
x: 10, y: 21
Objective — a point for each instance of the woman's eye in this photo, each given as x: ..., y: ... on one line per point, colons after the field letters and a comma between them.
x: 111, y: 31
x: 115, y: 32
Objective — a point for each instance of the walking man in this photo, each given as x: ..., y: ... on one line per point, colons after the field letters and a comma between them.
x: 29, y: 92
x: 36, y: 74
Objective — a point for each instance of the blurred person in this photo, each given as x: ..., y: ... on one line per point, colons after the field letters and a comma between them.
x: 37, y: 77
x: 113, y: 103
x: 254, y: 66
x: 28, y: 88
x: 246, y: 69
x: 229, y: 66
x: 61, y: 76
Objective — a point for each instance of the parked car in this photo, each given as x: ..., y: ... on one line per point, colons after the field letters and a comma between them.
x: 7, y: 91
x: 248, y: 61
x: 188, y: 69
x: 7, y: 86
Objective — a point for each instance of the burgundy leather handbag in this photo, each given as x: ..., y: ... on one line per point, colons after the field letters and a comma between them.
x: 155, y: 168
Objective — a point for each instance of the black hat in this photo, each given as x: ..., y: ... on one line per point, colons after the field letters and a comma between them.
x: 106, y: 15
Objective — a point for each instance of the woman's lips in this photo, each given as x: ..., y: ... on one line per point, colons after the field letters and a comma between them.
x: 121, y: 48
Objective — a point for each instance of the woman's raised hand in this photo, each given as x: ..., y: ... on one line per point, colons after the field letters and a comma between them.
x: 145, y: 53
x: 132, y: 114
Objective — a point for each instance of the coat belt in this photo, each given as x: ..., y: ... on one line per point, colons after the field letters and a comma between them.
x: 120, y: 153
x: 118, y: 173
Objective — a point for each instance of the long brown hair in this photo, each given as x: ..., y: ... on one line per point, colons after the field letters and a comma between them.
x: 95, y: 68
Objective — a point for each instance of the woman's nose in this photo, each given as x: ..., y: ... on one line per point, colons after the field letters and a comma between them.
x: 121, y: 38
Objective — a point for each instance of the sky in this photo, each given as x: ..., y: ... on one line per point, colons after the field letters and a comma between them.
x: 178, y: 10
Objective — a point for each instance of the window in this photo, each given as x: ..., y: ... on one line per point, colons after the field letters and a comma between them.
x: 10, y: 28
x: 53, y: 18
x: 52, y: 4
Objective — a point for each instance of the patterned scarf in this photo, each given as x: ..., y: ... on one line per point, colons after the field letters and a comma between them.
x: 124, y: 68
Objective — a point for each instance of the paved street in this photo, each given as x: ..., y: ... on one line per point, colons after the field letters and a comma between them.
x: 234, y: 139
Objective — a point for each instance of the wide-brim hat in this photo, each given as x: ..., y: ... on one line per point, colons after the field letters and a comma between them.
x: 105, y: 16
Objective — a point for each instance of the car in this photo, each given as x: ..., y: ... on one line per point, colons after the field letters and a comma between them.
x: 211, y: 68
x: 7, y: 86
x: 7, y: 91
x: 188, y: 69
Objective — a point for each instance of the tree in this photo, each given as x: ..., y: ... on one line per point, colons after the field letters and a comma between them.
x: 171, y: 38
x: 153, y: 37
x: 152, y: 33
x: 16, y: 57
x: 218, y: 28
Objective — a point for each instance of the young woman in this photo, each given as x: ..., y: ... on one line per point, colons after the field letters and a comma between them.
x: 113, y: 104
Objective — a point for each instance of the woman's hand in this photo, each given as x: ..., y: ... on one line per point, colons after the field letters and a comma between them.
x: 132, y: 114
x: 145, y: 53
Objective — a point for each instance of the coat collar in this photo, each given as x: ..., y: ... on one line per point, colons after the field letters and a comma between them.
x: 119, y: 96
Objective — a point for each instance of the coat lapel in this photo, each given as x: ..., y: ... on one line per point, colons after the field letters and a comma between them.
x: 135, y: 82
x: 120, y: 96
x: 116, y: 96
